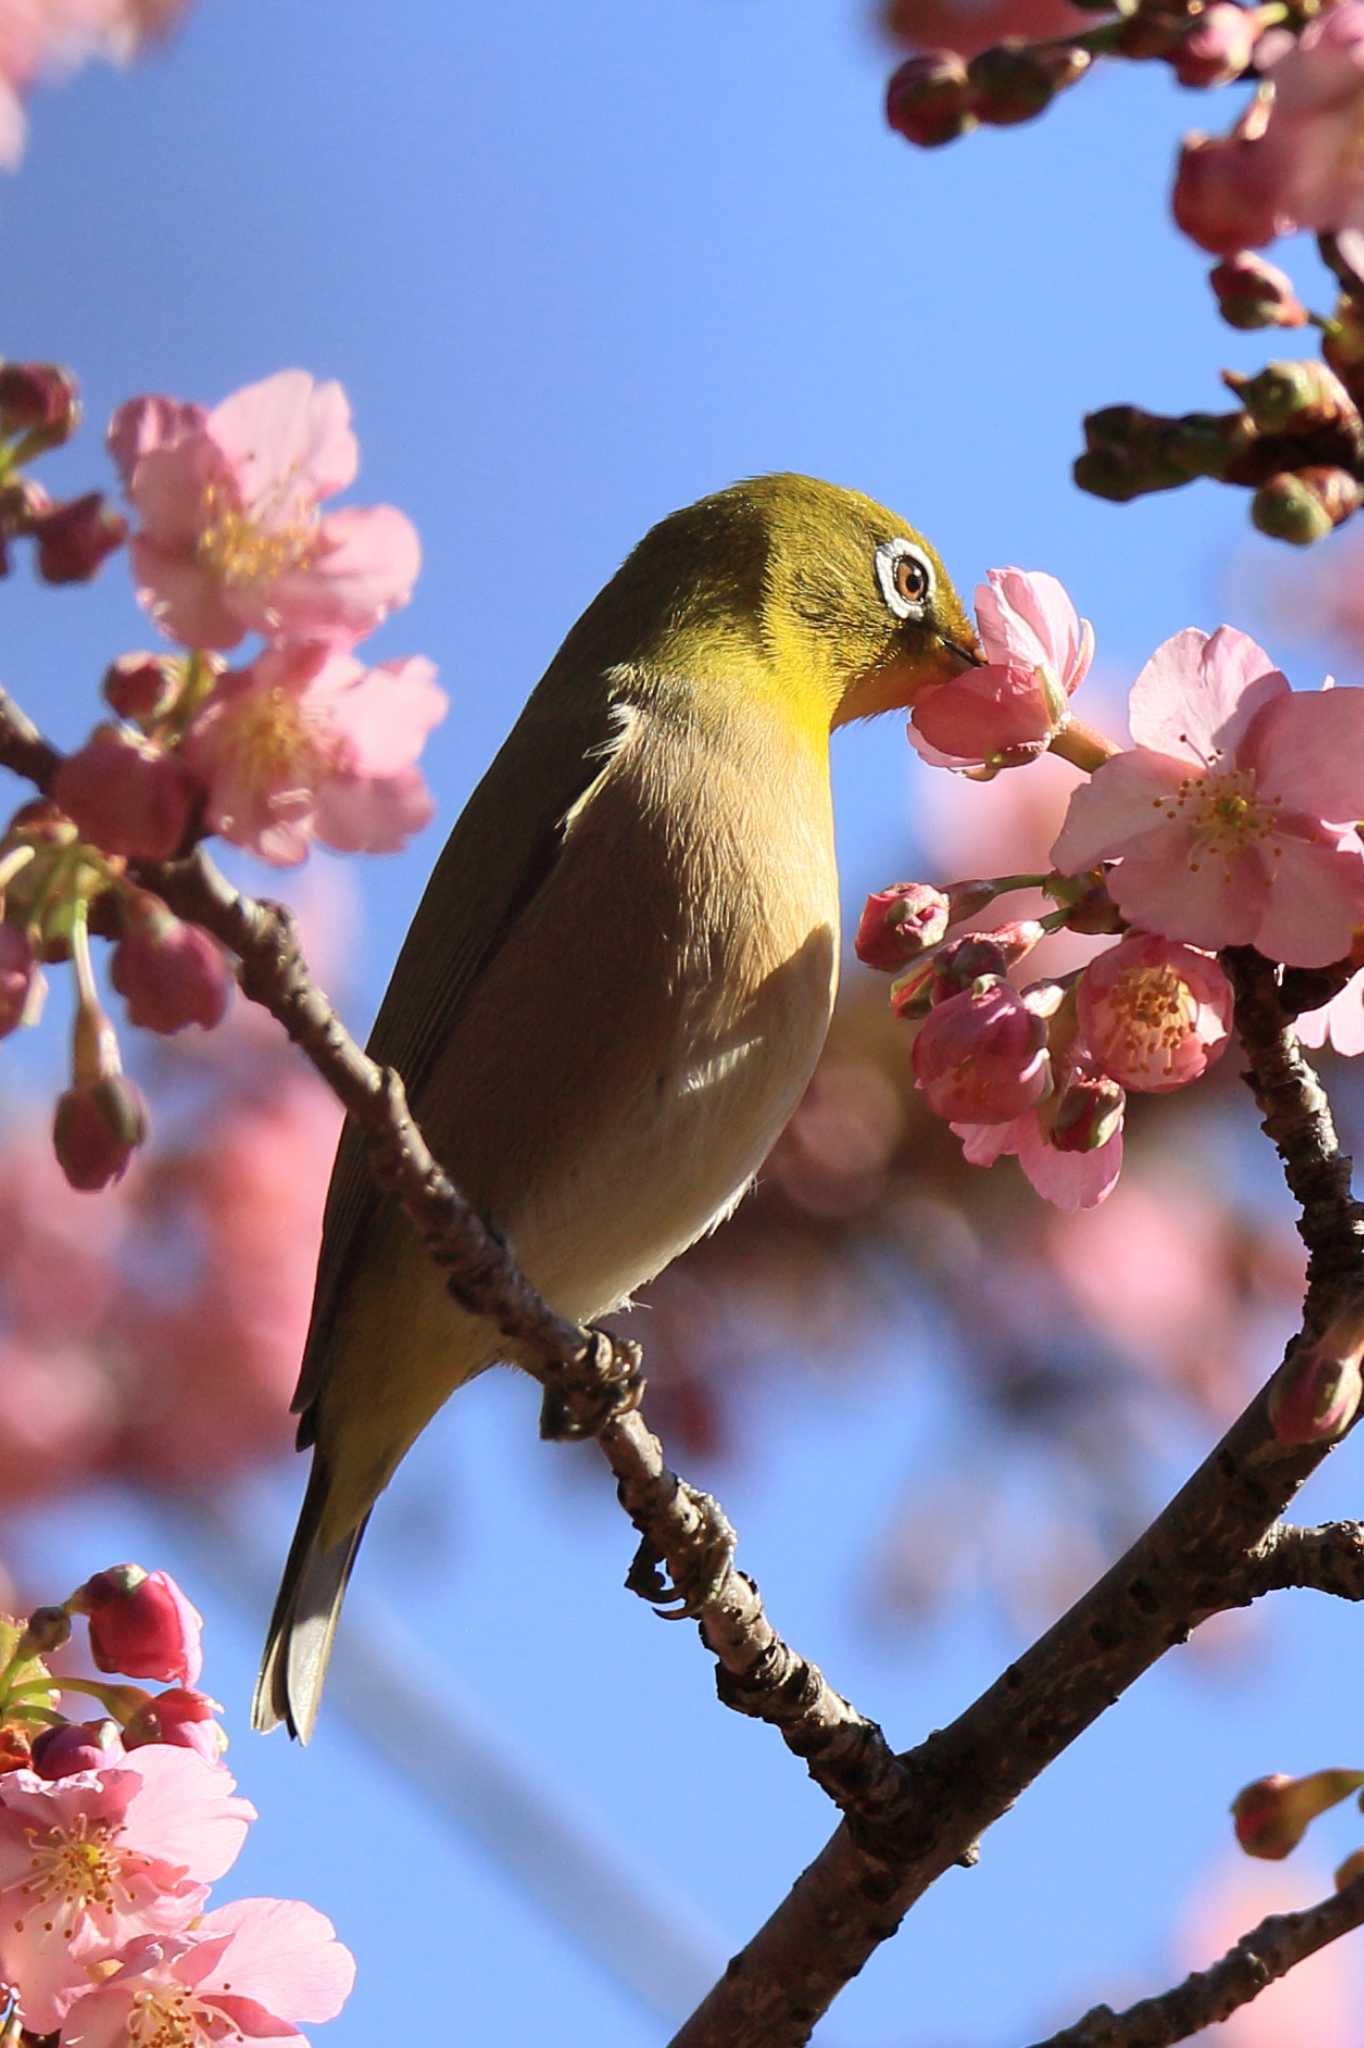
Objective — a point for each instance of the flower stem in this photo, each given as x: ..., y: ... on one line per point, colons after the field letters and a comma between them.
x: 1084, y: 746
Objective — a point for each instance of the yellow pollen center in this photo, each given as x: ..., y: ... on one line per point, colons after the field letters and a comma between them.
x: 1227, y: 813
x: 172, y: 2017
x: 243, y: 547
x: 1154, y: 1009
x: 77, y: 1870
x: 273, y: 741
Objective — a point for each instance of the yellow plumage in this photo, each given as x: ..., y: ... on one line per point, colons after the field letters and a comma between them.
x: 621, y: 974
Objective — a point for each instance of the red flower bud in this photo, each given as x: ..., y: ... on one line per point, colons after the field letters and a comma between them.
x: 1221, y: 198
x: 1272, y: 1815
x: 1253, y: 293
x: 141, y: 1624
x: 126, y: 795
x: 137, y: 686
x: 74, y: 538
x: 76, y: 1746
x: 96, y: 1129
x: 181, y: 1717
x: 1315, y: 1395
x: 40, y: 401
x: 171, y: 974
x: 1086, y: 1113
x: 1217, y: 46
x: 912, y: 994
x: 981, y: 1056
x: 928, y: 100
x: 900, y: 923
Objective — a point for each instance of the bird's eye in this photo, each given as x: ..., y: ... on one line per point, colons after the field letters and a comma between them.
x: 905, y: 575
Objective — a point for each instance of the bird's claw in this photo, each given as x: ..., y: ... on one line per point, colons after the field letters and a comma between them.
x: 582, y: 1399
x: 705, y: 1571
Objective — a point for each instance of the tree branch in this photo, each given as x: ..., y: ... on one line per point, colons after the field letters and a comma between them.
x: 591, y: 1378
x: 964, y: 1777
x: 1268, y: 1952
x: 1327, y: 1559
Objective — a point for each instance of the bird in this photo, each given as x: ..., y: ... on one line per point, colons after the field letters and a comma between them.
x: 620, y: 977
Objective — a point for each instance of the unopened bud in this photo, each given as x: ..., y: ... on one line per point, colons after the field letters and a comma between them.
x: 125, y: 794
x: 1315, y: 1395
x: 1222, y: 199
x: 985, y: 954
x: 1293, y: 397
x: 1252, y: 293
x: 1086, y: 1113
x: 1217, y: 46
x: 46, y: 1629
x: 1305, y: 505
x: 96, y: 1130
x: 900, y: 923
x: 1088, y: 906
x: 1342, y: 344
x: 39, y: 401
x: 74, y: 538
x: 928, y: 100
x: 1015, y: 81
x: 138, y: 686
x: 170, y: 973
x: 1272, y: 1815
x: 911, y: 994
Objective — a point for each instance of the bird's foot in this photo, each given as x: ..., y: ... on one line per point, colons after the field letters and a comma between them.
x: 606, y: 1383
x: 704, y: 1572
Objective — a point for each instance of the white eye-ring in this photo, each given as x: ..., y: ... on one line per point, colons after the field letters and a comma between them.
x: 905, y: 575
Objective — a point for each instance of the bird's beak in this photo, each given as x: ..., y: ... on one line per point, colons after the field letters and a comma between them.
x: 969, y: 657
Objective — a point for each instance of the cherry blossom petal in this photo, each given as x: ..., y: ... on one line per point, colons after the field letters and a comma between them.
x: 1210, y: 901
x: 1116, y: 805
x: 1307, y: 750
x: 983, y: 1144
x: 186, y: 1811
x: 187, y: 603
x: 141, y: 425
x: 984, y: 712
x: 1069, y: 1180
x: 168, y: 486
x: 1027, y: 617
x: 364, y: 563
x: 385, y: 715
x: 1314, y: 904
x: 283, y: 1954
x: 369, y: 814
x: 1341, y: 1021
x: 286, y: 432
x: 1199, y: 691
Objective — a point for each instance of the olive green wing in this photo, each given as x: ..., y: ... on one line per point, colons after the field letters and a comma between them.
x: 503, y: 847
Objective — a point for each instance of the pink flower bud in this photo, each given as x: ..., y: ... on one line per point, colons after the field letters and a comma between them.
x: 171, y: 974
x: 184, y: 1719
x: 981, y: 1056
x: 40, y: 401
x: 900, y: 923
x: 1154, y: 1014
x: 1217, y: 46
x: 141, y: 1624
x: 138, y: 686
x: 76, y: 1746
x: 74, y: 538
x: 96, y: 1129
x: 1272, y: 1815
x: 928, y: 100
x: 126, y: 795
x: 20, y: 981
x: 1012, y: 82
x: 983, y: 954
x: 911, y: 995
x: 1315, y: 1394
x: 1222, y: 199
x: 1252, y: 293
x: 1087, y: 1111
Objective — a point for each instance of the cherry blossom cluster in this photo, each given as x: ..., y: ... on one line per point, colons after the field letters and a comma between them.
x: 113, y: 1829
x: 300, y: 741
x: 1229, y: 821
x: 40, y: 38
x: 1289, y: 161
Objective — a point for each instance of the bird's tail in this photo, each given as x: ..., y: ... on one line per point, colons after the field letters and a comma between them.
x: 299, y: 1642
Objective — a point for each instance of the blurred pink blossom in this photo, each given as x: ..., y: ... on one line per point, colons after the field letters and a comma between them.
x: 1339, y: 1023
x: 249, y: 1971
x: 232, y: 539
x: 306, y: 743
x: 1068, y: 1180
x: 1231, y: 815
x: 1317, y: 2002
x: 1038, y: 652
x: 51, y: 36
x: 1310, y: 155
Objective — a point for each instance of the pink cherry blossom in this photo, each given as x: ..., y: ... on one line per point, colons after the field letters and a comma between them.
x: 141, y: 1624
x: 308, y: 743
x: 1339, y: 1023
x: 1309, y: 155
x: 250, y: 1971
x: 1038, y: 652
x: 1069, y: 1180
x: 92, y: 1861
x: 232, y: 539
x: 182, y: 1717
x: 981, y: 1055
x: 1233, y: 815
x: 1154, y: 1014
x: 126, y: 794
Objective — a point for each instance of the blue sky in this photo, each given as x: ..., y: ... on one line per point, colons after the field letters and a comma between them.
x: 576, y: 265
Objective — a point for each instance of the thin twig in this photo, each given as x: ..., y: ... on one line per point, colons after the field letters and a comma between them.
x: 1268, y: 1952
x: 592, y: 1377
x: 1327, y: 1559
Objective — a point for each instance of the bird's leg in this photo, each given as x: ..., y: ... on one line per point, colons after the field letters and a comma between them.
x: 704, y: 1571
x: 581, y: 1399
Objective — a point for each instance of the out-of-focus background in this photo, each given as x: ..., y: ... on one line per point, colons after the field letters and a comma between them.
x: 576, y: 265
